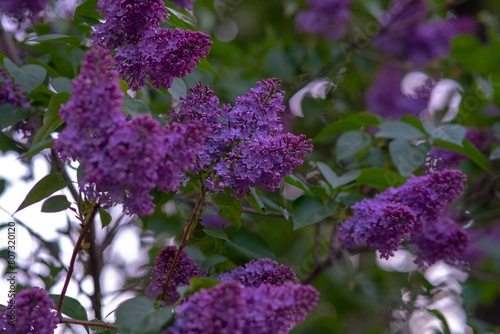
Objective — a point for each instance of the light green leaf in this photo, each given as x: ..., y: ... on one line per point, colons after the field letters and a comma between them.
x: 136, y: 107
x: 51, y: 120
x: 406, y: 157
x: 308, y: 209
x: 380, y: 178
x: 451, y: 133
x: 198, y: 283
x: 72, y: 308
x: 139, y: 316
x: 72, y: 40
x: 38, y: 147
x: 55, y: 204
x: 178, y: 89
x: 43, y: 189
x: 399, y: 130
x: 10, y: 115
x: 349, y: 144
x: 204, y: 65
x: 216, y: 233
x: 61, y: 85
x: 105, y: 217
x: 296, y: 182
x: 28, y: 76
x: 256, y: 202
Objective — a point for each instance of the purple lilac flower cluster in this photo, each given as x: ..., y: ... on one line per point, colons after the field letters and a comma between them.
x: 255, y: 273
x: 123, y: 159
x: 246, y: 147
x: 384, y: 96
x: 413, y: 211
x: 23, y: 9
x: 326, y: 18
x: 34, y: 313
x: 184, y: 270
x: 143, y: 49
x: 408, y: 35
x: 11, y: 93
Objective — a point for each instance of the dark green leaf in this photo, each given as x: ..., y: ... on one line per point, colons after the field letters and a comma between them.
x: 86, y: 12
x: 139, y: 316
x: 105, y: 217
x: 28, y: 76
x: 296, y: 182
x: 230, y: 208
x: 136, y: 107
x: 51, y: 120
x: 38, y: 147
x: 406, y: 157
x: 204, y: 65
x: 2, y: 185
x: 8, y: 144
x: 469, y: 150
x: 73, y: 40
x: 72, y: 308
x: 354, y: 122
x: 61, y: 85
x: 216, y: 233
x: 10, y: 115
x: 334, y: 180
x: 43, y: 189
x: 246, y: 247
x: 399, y: 130
x: 178, y: 89
x: 380, y: 178
x: 308, y: 209
x: 349, y: 144
x: 198, y: 283
x: 212, y: 260
x: 256, y: 202
x: 55, y: 204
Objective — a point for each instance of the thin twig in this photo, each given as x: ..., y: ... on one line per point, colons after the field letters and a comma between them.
x: 95, y: 268
x: 87, y: 323
x: 184, y: 241
x: 85, y: 228
x: 8, y: 45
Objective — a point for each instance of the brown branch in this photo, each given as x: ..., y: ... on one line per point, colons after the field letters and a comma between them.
x: 184, y: 241
x: 87, y: 323
x: 96, y: 264
x: 87, y: 222
x: 7, y: 45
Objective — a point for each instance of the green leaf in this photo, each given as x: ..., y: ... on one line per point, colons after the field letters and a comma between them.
x: 51, y: 119
x: 380, y: 178
x: 399, y: 130
x: 61, y: 85
x: 469, y: 150
x: 211, y: 260
x: 296, y: 182
x: 349, y: 144
x: 178, y: 89
x: 55, y: 204
x: 204, y: 65
x: 441, y: 317
x: 86, y: 12
x: 10, y: 115
x: 72, y: 308
x: 354, y: 122
x: 198, y: 283
x: 406, y: 157
x: 72, y: 40
x: 38, y: 147
x: 136, y: 107
x: 139, y: 316
x: 333, y: 179
x: 451, y: 133
x: 2, y: 185
x: 43, y: 189
x: 246, y: 247
x: 28, y: 76
x: 216, y: 233
x: 308, y: 209
x: 105, y: 217
x: 8, y: 144
x: 230, y: 208
x: 256, y: 202
x: 176, y: 22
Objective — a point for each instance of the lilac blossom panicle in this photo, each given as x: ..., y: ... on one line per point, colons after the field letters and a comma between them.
x: 11, y: 93
x: 233, y: 308
x: 142, y: 49
x: 408, y: 35
x: 381, y: 225
x: 414, y: 212
x: 34, y: 313
x: 324, y: 17
x: 255, y: 273
x: 246, y: 147
x: 184, y: 270
x: 123, y: 159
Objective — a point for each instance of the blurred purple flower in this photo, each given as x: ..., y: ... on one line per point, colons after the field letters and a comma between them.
x: 11, y: 93
x: 246, y: 146
x: 255, y: 273
x: 326, y: 18
x: 184, y: 270
x: 22, y: 9
x: 33, y: 313
x: 233, y: 308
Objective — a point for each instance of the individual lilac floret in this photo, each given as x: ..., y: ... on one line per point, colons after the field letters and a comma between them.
x: 246, y: 147
x: 384, y: 96
x: 255, y: 273
x: 442, y: 239
x: 381, y: 225
x: 427, y: 195
x: 33, y: 313
x: 184, y: 4
x: 324, y: 17
x: 184, y: 270
x: 10, y: 92
x: 233, y: 308
x: 143, y: 50
x: 123, y: 159
x: 406, y: 33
